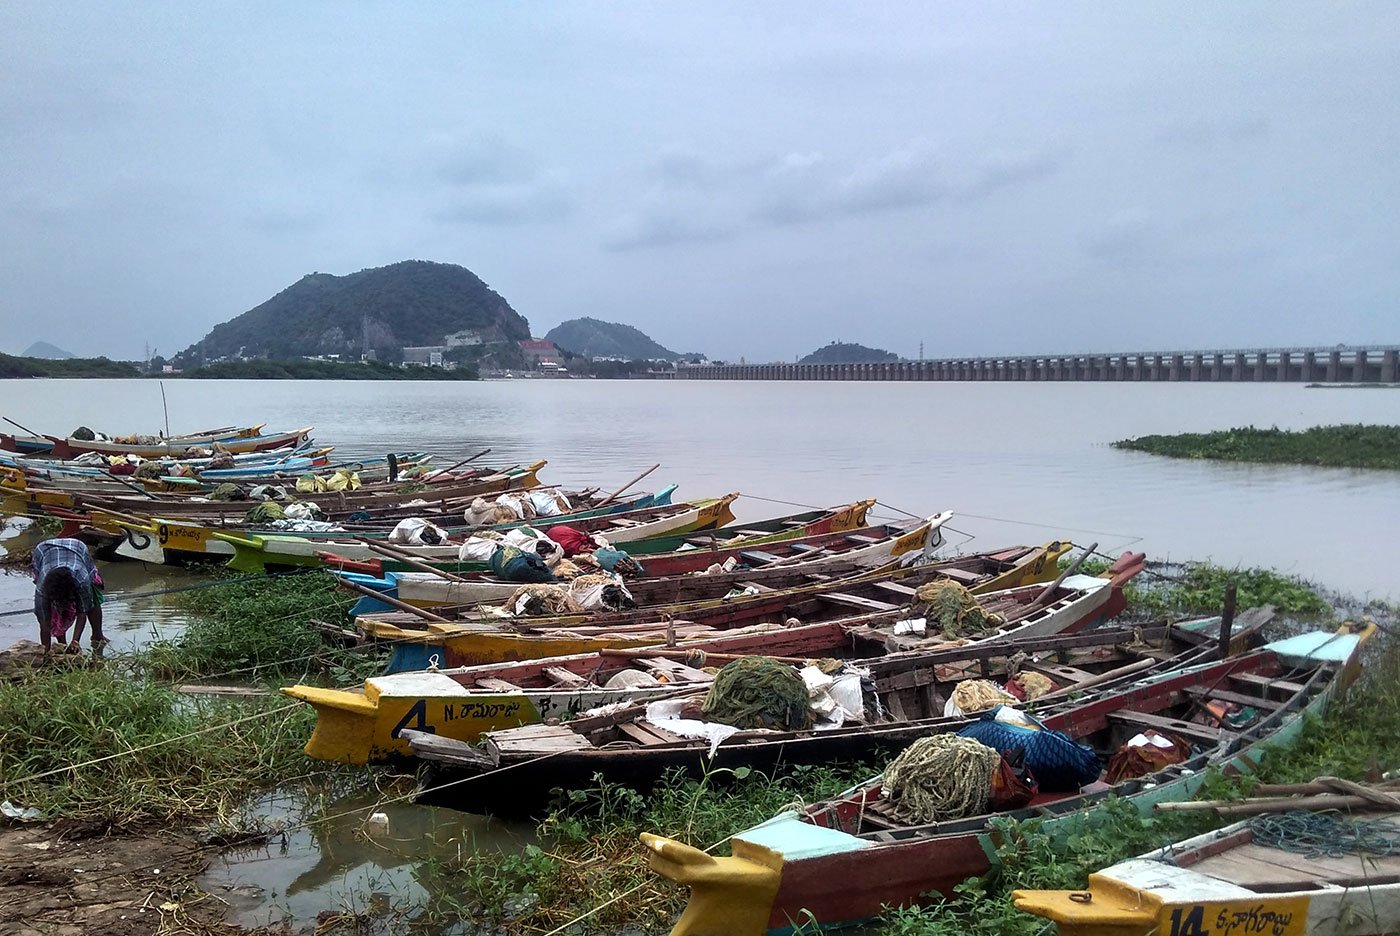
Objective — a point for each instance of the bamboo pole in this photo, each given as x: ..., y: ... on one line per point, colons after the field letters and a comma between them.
x: 1074, y: 567
x: 613, y: 496
x: 410, y: 559
x: 393, y: 602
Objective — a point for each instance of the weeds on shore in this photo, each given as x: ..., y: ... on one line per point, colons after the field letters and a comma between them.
x: 1199, y: 588
x: 1344, y: 446
x: 164, y: 761
x: 259, y: 629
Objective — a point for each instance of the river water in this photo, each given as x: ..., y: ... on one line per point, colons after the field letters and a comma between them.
x: 1019, y: 463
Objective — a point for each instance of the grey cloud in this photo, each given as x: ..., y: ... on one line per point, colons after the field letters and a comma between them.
x: 541, y: 199
x: 1208, y: 131
x: 1128, y: 236
x: 481, y: 161
x: 663, y: 227
x: 1001, y: 170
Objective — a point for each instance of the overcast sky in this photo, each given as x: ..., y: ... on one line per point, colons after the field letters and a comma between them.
x: 748, y: 179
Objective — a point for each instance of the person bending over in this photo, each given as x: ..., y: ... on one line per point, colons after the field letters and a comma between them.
x: 67, y: 593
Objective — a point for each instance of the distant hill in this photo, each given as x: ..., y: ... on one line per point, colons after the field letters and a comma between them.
x: 839, y: 352
x: 407, y: 304
x: 592, y: 338
x: 42, y: 349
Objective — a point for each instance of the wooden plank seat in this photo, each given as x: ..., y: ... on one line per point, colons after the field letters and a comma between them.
x: 863, y: 540
x: 1238, y: 698
x: 758, y: 556
x: 856, y: 601
x: 496, y: 685
x: 1267, y: 683
x: 534, y: 739
x: 1162, y: 723
x: 961, y: 576
x: 648, y: 734
x: 806, y: 547
x: 562, y: 677
x: 895, y: 588
x: 675, y: 669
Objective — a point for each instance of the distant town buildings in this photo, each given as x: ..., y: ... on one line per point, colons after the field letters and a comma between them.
x: 540, y: 352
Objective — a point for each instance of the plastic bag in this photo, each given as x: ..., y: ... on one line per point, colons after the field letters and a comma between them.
x: 415, y: 531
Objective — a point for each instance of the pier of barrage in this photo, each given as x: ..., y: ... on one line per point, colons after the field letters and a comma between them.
x: 1361, y: 365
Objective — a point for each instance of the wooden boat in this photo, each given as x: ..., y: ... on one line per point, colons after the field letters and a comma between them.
x: 31, y: 444
x: 843, y: 555
x: 782, y: 871
x: 365, y: 725
x: 375, y: 500
x: 162, y: 539
x: 847, y: 518
x: 1234, y: 881
x: 418, y: 641
x: 255, y: 552
x: 830, y: 532
x: 910, y: 697
x: 248, y: 440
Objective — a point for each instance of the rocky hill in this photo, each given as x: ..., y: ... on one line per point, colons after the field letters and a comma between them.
x: 412, y: 303
x: 42, y: 349
x: 590, y: 337
x: 839, y: 352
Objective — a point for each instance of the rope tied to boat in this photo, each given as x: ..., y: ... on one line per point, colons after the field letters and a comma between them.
x: 953, y: 607
x: 1328, y: 833
x: 940, y: 777
x: 759, y: 692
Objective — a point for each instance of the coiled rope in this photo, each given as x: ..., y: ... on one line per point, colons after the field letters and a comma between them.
x: 941, y: 777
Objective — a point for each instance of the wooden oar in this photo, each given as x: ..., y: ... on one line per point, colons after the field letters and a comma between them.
x: 1099, y: 679
x: 135, y: 487
x: 393, y: 602
x: 613, y: 496
x: 25, y: 428
x: 464, y: 461
x: 409, y: 559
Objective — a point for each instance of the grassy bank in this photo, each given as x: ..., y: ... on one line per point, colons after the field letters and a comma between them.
x: 1198, y: 588
x: 1348, y: 446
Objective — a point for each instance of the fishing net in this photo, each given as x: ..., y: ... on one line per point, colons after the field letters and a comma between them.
x: 977, y: 695
x: 953, y: 608
x: 940, y: 777
x: 1034, y: 685
x: 265, y: 512
x: 759, y: 692
x: 542, y: 599
x: 227, y: 492
x: 150, y: 469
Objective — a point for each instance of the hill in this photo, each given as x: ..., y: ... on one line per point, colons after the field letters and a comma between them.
x: 839, y: 352
x: 591, y: 338
x: 407, y: 304
x: 42, y: 349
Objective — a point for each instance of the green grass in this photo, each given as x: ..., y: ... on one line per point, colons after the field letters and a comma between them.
x: 1198, y: 588
x: 163, y: 769
x: 258, y: 630
x: 1345, y: 446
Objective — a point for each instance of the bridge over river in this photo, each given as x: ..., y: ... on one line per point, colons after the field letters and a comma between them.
x: 1339, y: 364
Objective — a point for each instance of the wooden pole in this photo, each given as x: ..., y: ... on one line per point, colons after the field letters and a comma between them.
x: 18, y: 426
x: 1074, y: 567
x: 463, y: 462
x: 393, y: 602
x: 412, y: 560
x: 613, y: 496
x: 137, y: 488
x: 1227, y: 620
x: 1134, y: 667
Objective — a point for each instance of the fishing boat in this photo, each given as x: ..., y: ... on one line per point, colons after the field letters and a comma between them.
x: 637, y: 748
x: 41, y: 444
x: 1249, y: 877
x: 247, y: 440
x: 668, y: 578
x: 422, y: 637
x: 837, y: 530
x: 169, y: 539
x: 255, y: 552
x: 782, y: 872
x: 366, y: 725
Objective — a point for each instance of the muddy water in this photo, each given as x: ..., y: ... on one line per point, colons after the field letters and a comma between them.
x: 333, y: 861
x: 129, y: 621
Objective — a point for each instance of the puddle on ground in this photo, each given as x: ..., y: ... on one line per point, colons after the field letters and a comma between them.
x: 131, y: 622
x: 330, y: 860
